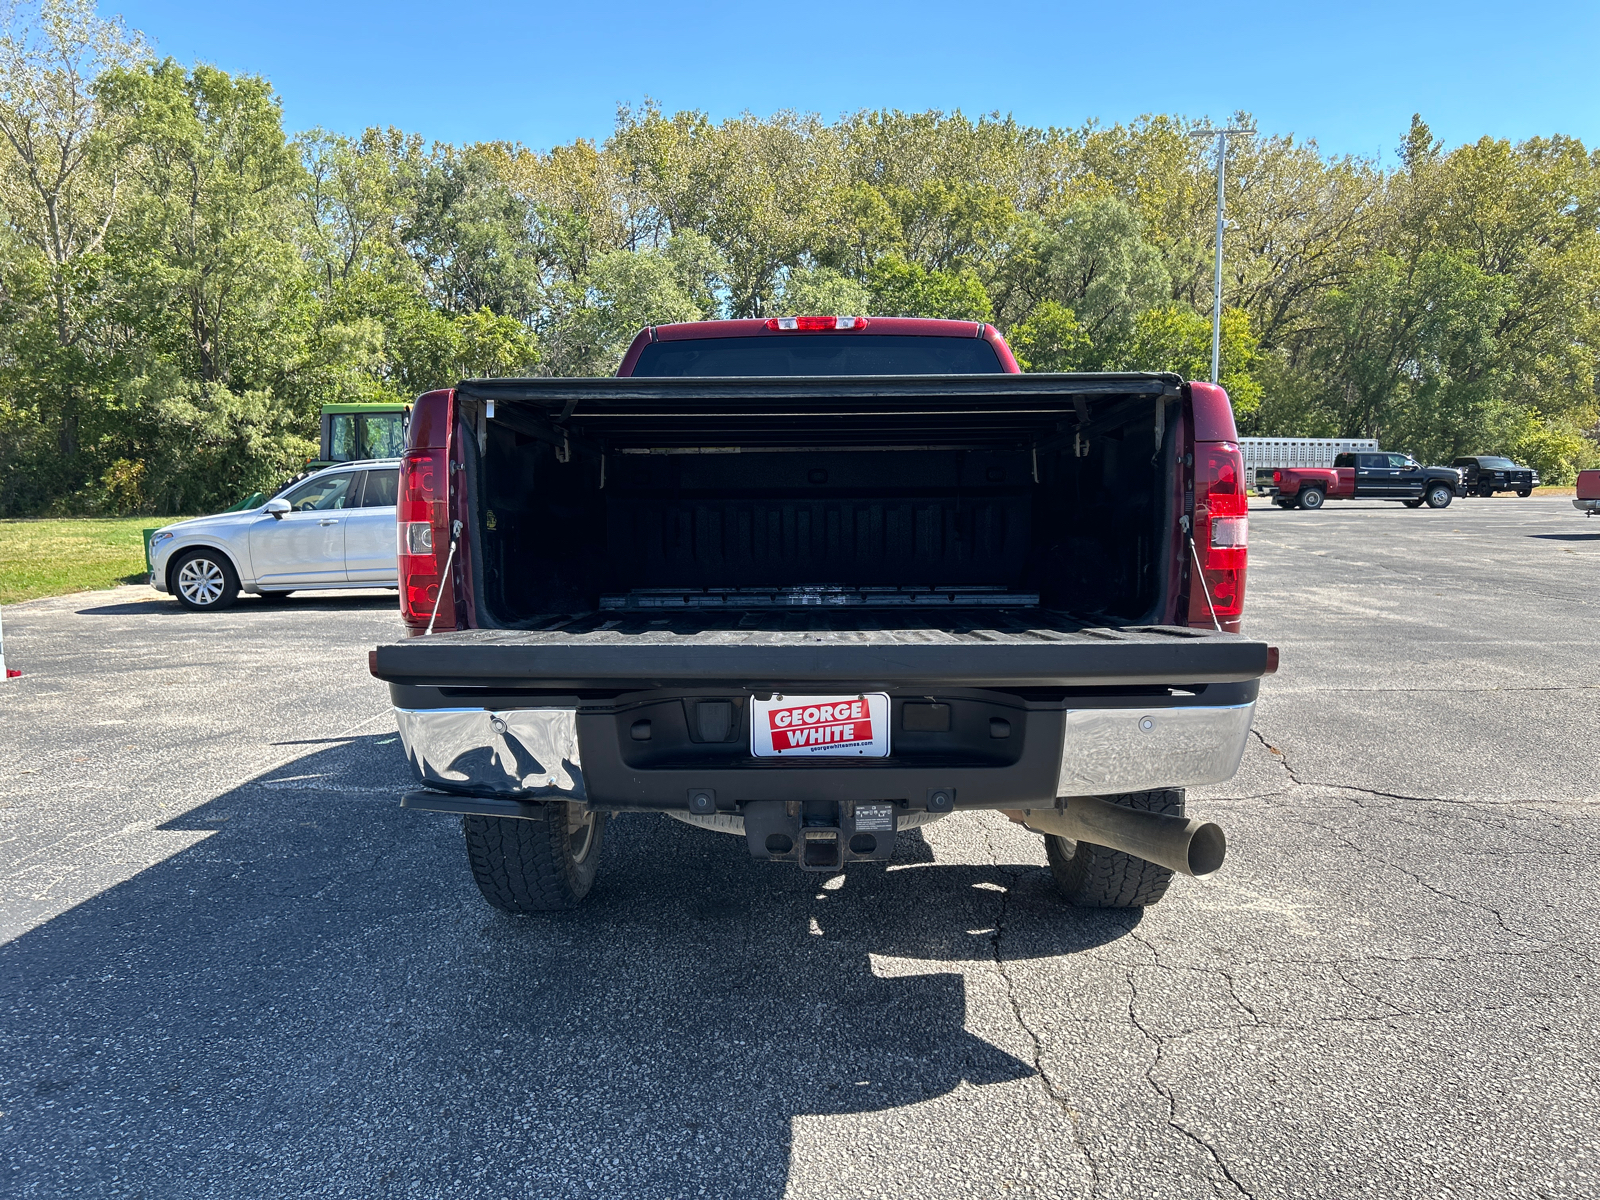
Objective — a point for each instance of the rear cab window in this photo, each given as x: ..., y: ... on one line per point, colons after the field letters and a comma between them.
x: 820, y: 354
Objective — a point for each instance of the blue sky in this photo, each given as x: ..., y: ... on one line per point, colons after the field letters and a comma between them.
x: 1349, y: 75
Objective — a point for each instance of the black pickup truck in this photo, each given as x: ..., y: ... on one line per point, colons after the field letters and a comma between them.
x: 1486, y: 474
x: 1379, y: 475
x: 817, y: 581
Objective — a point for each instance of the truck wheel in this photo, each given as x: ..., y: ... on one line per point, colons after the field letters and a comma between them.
x: 1417, y: 503
x: 205, y: 580
x: 1524, y: 492
x: 1091, y: 876
x: 1311, y: 497
x: 534, y: 865
x: 1439, y: 496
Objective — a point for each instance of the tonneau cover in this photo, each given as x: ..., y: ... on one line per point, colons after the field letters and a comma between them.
x: 862, y: 412
x: 599, y: 652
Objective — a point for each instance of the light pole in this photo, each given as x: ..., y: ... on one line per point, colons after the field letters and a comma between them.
x: 1222, y: 136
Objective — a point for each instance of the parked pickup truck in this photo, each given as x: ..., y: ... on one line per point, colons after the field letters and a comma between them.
x: 1380, y: 475
x: 1587, y: 500
x: 816, y: 581
x: 1486, y: 474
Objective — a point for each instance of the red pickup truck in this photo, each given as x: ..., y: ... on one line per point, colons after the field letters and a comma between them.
x: 1588, y: 498
x: 815, y: 581
x: 1375, y: 475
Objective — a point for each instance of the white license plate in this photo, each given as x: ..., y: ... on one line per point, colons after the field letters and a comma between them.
x: 849, y: 726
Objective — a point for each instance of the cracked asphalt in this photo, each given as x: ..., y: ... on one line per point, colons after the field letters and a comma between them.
x: 232, y: 967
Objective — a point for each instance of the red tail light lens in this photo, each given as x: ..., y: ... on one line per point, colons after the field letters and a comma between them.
x: 1221, y: 535
x: 422, y: 532
x: 814, y: 324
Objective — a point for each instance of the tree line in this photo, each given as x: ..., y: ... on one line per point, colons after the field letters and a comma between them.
x: 183, y: 283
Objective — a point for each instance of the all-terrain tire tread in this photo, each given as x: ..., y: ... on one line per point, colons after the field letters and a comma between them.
x: 1091, y: 876
x: 522, y: 865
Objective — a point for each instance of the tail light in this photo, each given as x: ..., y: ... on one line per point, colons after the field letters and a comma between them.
x: 1277, y: 477
x: 815, y: 324
x: 1221, y: 536
x: 422, y: 530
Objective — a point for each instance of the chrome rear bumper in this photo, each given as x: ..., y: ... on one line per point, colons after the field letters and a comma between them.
x: 528, y: 753
x: 1108, y: 751
x: 534, y: 754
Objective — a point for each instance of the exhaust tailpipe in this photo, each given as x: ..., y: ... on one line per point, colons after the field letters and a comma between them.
x: 1180, y: 844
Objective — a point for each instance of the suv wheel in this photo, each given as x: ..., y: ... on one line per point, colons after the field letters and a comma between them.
x: 1439, y: 496
x: 1091, y: 876
x: 524, y: 865
x: 1311, y: 497
x: 205, y: 580
x: 1524, y: 492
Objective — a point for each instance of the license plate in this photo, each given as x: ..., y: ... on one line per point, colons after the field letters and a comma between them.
x: 849, y: 726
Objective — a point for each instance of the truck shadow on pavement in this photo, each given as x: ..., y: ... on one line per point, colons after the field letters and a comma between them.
x: 312, y: 998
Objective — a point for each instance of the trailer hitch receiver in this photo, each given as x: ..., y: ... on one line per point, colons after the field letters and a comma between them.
x: 820, y: 835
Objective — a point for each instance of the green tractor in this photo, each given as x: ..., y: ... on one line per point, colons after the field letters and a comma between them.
x: 355, y: 432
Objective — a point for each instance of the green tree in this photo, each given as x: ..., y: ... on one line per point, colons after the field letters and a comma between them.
x: 624, y: 292
x: 208, y: 246
x: 1091, y: 258
x: 1051, y: 339
x: 63, y: 166
x: 906, y: 289
x: 1175, y: 338
x: 822, y: 291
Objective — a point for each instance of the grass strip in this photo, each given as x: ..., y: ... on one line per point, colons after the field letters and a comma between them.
x: 52, y: 557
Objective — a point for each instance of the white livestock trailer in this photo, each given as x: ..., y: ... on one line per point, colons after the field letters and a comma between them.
x: 1264, y: 455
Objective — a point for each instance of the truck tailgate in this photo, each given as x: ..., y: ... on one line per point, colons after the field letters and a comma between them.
x: 610, y: 651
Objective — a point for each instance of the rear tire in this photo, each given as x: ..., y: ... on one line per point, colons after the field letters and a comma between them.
x: 1417, y: 503
x: 543, y: 864
x: 204, y: 580
x: 1311, y: 498
x: 1439, y: 496
x: 1091, y: 876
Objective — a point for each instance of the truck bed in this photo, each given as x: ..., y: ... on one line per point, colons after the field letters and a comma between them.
x: 852, y: 647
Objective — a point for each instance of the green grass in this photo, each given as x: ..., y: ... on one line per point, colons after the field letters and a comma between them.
x: 53, y: 557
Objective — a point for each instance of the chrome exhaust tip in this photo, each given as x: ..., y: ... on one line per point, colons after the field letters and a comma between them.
x: 1181, y: 844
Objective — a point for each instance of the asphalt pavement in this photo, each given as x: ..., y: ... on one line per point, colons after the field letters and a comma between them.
x: 233, y: 967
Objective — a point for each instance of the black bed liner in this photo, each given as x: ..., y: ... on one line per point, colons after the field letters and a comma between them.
x: 1031, y: 648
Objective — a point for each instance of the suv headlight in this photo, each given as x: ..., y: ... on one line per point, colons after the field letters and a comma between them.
x: 160, y: 538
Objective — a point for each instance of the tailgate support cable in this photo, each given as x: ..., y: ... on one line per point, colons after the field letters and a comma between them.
x: 444, y: 578
x: 1199, y: 573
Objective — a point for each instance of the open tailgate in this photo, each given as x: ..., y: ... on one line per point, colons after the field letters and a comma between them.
x: 610, y: 659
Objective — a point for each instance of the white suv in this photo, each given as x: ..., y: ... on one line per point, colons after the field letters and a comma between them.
x: 333, y: 529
